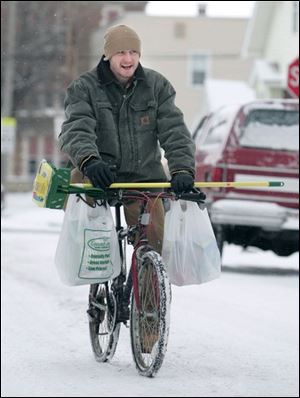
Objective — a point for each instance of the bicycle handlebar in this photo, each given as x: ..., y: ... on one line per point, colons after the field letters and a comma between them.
x: 120, y: 195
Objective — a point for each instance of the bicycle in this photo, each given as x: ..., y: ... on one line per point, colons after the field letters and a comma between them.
x: 129, y: 296
x: 141, y: 296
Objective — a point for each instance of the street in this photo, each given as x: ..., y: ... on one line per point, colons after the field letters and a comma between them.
x: 235, y: 336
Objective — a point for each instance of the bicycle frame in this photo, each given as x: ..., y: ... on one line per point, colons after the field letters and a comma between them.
x: 124, y: 283
x: 141, y: 295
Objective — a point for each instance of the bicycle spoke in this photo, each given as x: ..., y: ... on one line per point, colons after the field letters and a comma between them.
x: 104, y: 332
x: 149, y: 326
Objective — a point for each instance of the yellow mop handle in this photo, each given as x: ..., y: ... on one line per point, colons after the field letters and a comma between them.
x: 226, y: 184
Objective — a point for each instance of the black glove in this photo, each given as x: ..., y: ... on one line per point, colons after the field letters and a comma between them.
x: 101, y: 174
x: 182, y: 182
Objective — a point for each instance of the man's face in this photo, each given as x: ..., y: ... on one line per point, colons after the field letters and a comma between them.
x: 123, y: 64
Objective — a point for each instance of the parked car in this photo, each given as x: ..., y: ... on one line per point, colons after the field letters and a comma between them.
x: 252, y: 142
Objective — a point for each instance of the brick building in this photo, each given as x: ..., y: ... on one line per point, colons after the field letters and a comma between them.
x: 49, y: 47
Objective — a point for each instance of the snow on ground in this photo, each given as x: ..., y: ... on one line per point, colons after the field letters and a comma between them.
x: 236, y: 336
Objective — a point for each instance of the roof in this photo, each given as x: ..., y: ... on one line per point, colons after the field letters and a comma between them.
x: 258, y: 27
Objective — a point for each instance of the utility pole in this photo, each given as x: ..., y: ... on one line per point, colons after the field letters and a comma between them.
x: 9, y: 70
x: 7, y: 124
x: 71, y: 50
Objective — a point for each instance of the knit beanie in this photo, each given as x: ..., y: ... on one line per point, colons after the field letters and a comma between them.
x: 120, y: 38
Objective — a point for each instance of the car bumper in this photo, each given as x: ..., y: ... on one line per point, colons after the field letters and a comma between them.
x: 268, y: 216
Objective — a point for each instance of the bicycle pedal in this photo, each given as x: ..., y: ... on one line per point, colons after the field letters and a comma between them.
x: 124, y: 314
x: 94, y: 315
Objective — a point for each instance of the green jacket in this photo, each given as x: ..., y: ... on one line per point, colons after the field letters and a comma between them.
x: 126, y: 127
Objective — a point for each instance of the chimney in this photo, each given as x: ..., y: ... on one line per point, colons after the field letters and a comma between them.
x: 202, y: 9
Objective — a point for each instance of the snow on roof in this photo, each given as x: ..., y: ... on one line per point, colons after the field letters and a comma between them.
x: 272, y: 103
x: 266, y: 72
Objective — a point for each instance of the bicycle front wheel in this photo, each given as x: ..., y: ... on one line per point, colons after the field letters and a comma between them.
x: 150, y: 314
x: 104, y: 331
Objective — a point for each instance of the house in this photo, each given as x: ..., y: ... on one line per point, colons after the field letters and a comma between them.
x: 272, y: 38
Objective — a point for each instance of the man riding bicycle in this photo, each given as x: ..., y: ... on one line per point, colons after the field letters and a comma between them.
x: 118, y: 115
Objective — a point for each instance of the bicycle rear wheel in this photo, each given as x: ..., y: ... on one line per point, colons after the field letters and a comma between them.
x: 150, y: 314
x: 104, y: 331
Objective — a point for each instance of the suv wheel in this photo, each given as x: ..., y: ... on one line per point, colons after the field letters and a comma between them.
x: 219, y: 234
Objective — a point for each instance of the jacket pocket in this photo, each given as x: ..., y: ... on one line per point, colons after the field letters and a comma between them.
x: 105, y: 115
x: 106, y: 131
x: 144, y: 116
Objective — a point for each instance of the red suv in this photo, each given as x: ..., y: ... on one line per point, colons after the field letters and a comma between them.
x: 252, y: 142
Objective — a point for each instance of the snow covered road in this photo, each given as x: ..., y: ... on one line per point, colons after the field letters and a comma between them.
x: 236, y: 336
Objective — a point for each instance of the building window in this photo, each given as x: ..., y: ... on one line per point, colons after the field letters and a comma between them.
x: 32, y: 166
x: 199, y: 64
x: 179, y: 30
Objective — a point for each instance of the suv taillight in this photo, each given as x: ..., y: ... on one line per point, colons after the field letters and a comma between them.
x: 217, y: 174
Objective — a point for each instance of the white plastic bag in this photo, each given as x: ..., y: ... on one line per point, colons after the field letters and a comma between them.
x: 88, y: 249
x: 190, y: 250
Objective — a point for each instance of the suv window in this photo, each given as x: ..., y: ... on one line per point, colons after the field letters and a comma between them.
x: 271, y: 128
x: 216, y: 133
x: 219, y: 126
